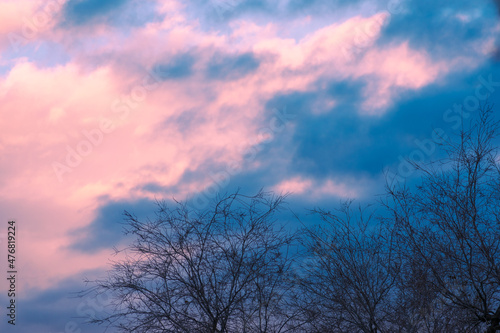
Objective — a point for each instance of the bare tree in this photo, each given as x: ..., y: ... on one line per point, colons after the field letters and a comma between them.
x: 449, y: 228
x: 349, y: 272
x: 429, y: 262
x: 224, y: 269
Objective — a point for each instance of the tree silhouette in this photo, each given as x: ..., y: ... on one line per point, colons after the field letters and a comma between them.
x: 424, y: 258
x: 450, y: 227
x: 348, y: 271
x: 221, y: 270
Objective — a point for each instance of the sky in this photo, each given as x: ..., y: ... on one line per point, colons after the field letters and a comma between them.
x: 111, y: 105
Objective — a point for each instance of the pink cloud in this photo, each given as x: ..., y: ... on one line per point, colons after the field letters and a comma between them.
x: 13, y: 12
x: 295, y: 185
x: 42, y: 228
x: 345, y: 51
x: 26, y: 21
x: 316, y: 189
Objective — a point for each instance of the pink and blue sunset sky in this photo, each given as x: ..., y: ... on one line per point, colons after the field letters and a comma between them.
x: 110, y: 105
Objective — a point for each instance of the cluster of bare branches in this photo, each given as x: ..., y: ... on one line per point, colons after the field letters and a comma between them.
x: 425, y: 258
x: 449, y: 229
x: 220, y: 270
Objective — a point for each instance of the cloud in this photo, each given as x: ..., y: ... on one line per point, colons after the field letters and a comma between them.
x: 497, y: 3
x: 22, y: 22
x: 227, y: 10
x: 318, y: 5
x: 12, y: 14
x: 441, y: 29
x: 107, y: 228
x: 66, y: 313
x: 232, y: 67
x: 82, y: 11
x: 180, y: 66
x: 187, y: 102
